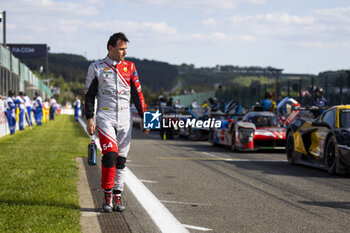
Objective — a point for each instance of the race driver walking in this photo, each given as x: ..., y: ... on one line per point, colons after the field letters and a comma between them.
x: 113, y: 81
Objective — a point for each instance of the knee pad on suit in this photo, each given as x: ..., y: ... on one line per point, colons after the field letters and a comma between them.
x: 109, y: 159
x: 121, y: 162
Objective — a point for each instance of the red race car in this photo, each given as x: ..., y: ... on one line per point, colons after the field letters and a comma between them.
x: 258, y: 130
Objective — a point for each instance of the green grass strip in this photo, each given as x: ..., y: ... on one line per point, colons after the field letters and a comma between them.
x: 38, y: 177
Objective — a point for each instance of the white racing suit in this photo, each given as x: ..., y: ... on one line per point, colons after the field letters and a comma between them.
x: 113, y: 84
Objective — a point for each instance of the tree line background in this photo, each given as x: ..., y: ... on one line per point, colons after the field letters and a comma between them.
x: 68, y: 72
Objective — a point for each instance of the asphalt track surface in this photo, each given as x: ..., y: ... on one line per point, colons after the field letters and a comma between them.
x: 210, y: 188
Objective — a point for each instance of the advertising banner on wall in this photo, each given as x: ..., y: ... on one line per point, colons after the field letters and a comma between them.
x: 28, y: 50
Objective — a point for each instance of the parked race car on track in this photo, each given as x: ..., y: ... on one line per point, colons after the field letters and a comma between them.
x: 323, y: 142
x: 257, y: 130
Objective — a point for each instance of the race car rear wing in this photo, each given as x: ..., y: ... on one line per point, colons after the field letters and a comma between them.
x: 310, y: 112
x: 309, y: 108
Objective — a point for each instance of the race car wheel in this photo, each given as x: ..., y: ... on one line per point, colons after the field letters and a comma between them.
x: 331, y: 155
x: 290, y: 148
x: 233, y: 146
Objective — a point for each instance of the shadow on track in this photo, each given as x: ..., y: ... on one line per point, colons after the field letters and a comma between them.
x: 331, y: 204
x: 206, y: 147
x: 19, y: 202
x: 284, y: 169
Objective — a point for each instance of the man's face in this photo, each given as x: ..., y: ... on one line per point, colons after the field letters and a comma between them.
x: 118, y: 52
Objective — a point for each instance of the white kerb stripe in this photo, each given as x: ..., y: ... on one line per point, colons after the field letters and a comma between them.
x: 161, y: 216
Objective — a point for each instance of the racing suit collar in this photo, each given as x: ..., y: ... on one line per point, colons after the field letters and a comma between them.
x: 112, y: 62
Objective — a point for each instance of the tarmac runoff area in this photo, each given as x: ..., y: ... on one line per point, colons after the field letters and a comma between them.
x: 94, y: 220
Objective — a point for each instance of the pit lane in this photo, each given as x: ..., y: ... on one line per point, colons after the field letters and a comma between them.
x: 214, y: 189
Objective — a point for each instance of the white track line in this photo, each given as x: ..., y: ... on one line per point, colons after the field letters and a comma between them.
x: 212, y: 155
x: 149, y: 181
x: 197, y: 228
x: 165, y: 221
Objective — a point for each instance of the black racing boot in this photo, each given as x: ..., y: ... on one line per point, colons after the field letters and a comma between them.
x: 107, y: 201
x: 117, y: 201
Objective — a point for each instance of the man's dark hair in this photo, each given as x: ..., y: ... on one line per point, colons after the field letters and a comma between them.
x: 115, y: 37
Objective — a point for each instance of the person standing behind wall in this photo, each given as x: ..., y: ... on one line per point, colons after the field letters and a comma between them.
x: 38, y: 109
x: 266, y: 103
x: 46, y: 110
x: 22, y: 109
x: 76, y: 108
x: 53, y: 107
x: 320, y: 100
x: 10, y: 113
x: 28, y: 105
x: 273, y: 107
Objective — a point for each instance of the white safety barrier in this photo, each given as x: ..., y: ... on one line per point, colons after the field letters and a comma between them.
x: 4, y: 126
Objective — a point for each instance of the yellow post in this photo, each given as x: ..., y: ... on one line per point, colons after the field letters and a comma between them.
x: 17, y: 114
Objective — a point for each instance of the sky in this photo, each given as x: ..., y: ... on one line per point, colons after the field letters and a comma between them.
x: 298, y: 36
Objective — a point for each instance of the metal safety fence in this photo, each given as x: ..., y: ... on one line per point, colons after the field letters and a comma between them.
x: 200, y: 97
x: 335, y: 87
